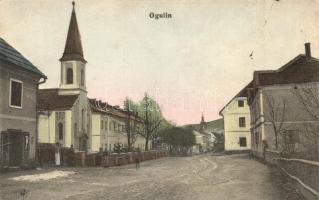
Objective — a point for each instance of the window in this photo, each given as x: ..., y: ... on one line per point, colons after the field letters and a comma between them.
x: 69, y: 76
x: 293, y: 137
x: 110, y: 126
x: 243, y: 142
x: 102, y: 123
x: 83, y: 119
x: 16, y: 93
x: 105, y: 126
x: 114, y: 126
x: 240, y: 103
x: 82, y: 77
x: 242, y: 122
x: 60, y: 129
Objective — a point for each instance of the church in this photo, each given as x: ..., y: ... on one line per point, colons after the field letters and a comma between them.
x: 67, y: 116
x: 63, y: 112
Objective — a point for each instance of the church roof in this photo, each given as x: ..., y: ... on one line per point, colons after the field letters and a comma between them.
x: 11, y: 55
x: 49, y: 99
x: 73, y: 46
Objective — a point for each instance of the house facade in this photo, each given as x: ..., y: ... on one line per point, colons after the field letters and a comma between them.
x: 284, y: 109
x: 201, y: 142
x: 19, y: 81
x: 236, y: 116
x: 110, y: 128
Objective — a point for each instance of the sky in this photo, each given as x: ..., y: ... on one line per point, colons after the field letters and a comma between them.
x: 192, y: 63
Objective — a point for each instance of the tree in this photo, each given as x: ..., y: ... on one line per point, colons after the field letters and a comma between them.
x: 308, y: 97
x: 131, y: 125
x: 178, y: 138
x: 153, y: 118
x: 275, y: 113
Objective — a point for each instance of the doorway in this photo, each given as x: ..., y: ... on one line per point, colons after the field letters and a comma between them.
x: 14, y: 147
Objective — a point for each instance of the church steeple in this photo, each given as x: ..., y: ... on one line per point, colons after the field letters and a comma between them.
x: 202, y: 123
x: 73, y: 46
x: 72, y: 62
x: 203, y: 120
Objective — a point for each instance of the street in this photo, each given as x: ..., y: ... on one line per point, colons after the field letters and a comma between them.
x: 202, y: 177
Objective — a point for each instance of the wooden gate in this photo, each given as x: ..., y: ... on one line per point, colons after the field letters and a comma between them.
x: 14, y: 147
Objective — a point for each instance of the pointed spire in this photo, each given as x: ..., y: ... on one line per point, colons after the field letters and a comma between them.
x: 73, y: 46
x: 203, y: 120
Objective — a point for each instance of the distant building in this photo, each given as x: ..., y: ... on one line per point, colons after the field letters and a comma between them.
x: 19, y: 81
x: 236, y: 116
x: 201, y: 142
x: 209, y: 135
x: 284, y: 107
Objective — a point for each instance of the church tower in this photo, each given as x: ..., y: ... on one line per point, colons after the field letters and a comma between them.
x: 203, y: 124
x: 72, y: 79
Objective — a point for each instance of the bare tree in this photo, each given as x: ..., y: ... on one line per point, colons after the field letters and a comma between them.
x: 275, y: 113
x: 308, y: 97
x: 131, y: 125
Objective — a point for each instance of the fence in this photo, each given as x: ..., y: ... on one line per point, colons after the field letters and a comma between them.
x: 304, y: 172
x: 46, y: 156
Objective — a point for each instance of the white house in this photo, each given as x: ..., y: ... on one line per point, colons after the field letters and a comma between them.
x: 109, y: 127
x: 236, y: 116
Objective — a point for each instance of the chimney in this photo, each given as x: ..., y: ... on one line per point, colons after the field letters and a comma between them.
x: 308, y: 50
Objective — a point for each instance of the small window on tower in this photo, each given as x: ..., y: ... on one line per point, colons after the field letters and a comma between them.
x: 82, y: 77
x: 69, y: 76
x: 60, y: 131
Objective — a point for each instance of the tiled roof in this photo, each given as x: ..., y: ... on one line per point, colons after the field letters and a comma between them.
x: 11, y: 55
x: 73, y: 46
x: 49, y: 99
x: 299, y: 70
x: 104, y: 108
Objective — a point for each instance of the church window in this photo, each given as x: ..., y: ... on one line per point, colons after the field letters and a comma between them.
x: 83, y: 127
x: 82, y: 77
x: 69, y: 76
x: 60, y: 129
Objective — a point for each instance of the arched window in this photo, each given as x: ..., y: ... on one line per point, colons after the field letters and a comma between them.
x: 83, y: 119
x: 82, y: 77
x: 60, y: 130
x: 69, y: 76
